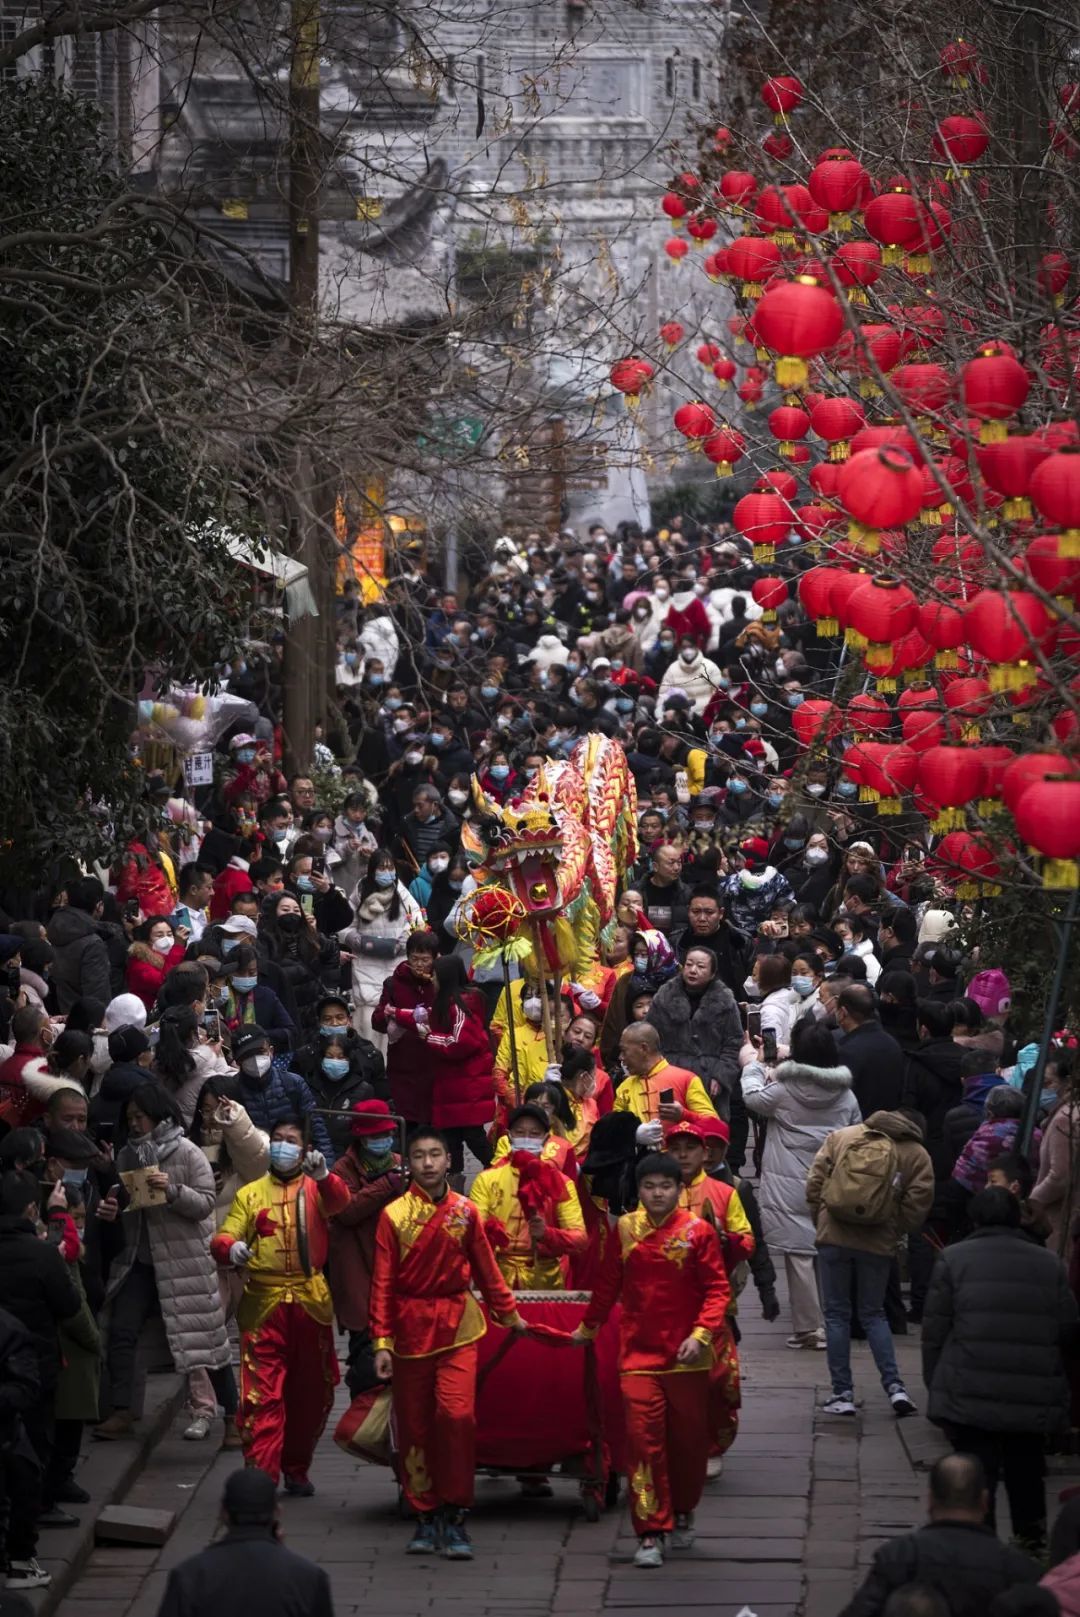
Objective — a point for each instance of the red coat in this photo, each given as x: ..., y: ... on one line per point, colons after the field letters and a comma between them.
x: 352, y: 1238
x: 692, y: 620
x: 141, y: 876
x: 146, y: 969
x: 230, y: 882
x: 462, y: 1066
x: 408, y: 1066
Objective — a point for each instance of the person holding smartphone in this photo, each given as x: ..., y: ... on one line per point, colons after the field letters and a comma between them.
x: 653, y: 1090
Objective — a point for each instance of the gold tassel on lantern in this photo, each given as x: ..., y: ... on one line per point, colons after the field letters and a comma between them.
x: 993, y: 432
x: 946, y: 660
x: 948, y: 819
x: 791, y: 372
x: 826, y: 627
x: 1068, y: 544
x: 1011, y: 676
x: 764, y: 553
x: 1060, y: 874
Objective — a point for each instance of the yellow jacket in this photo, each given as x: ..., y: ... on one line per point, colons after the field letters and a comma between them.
x: 642, y: 1095
x: 495, y: 1193
x: 283, y: 1221
x: 532, y: 1060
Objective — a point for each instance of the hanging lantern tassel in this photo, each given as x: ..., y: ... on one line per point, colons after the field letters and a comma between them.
x: 840, y: 450
x: 948, y: 819
x: 826, y: 627
x: 1068, y: 542
x: 946, y: 660
x: 723, y: 468
x: 1019, y: 511
x: 632, y: 400
x: 986, y: 806
x: 993, y: 432
x: 764, y: 553
x: 886, y: 686
x: 869, y: 794
x: 791, y: 372
x: 768, y: 615
x: 1011, y: 676
x: 1060, y: 874
x: 854, y: 641
x: 967, y: 890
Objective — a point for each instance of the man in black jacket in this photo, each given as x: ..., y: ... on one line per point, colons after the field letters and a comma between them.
x: 707, y: 927
x: 933, y: 1085
x: 874, y: 1058
x: 249, y: 1569
x: 896, y: 939
x: 955, y: 1553
x: 20, y: 1473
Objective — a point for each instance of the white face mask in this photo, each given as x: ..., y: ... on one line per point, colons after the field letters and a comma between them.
x: 816, y: 856
x: 436, y: 866
x: 162, y: 942
x: 532, y: 1009
x: 688, y: 655
x: 414, y: 758
x: 256, y: 1065
x: 526, y: 1142
x: 816, y: 789
x: 458, y: 798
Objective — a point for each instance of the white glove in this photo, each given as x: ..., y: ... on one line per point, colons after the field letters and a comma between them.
x: 590, y: 1001
x: 650, y: 1134
x: 314, y: 1165
x: 239, y: 1253
x: 553, y: 1074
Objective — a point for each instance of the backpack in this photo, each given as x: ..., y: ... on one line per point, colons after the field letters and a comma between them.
x: 862, y: 1186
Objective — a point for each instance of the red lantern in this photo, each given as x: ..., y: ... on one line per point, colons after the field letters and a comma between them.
x: 816, y: 722
x: 868, y: 715
x: 970, y: 863
x: 676, y: 248
x: 968, y: 699
x: 815, y: 588
x: 672, y: 333
x: 782, y: 95
x: 1055, y: 491
x: 925, y: 389
x: 675, y: 208
x: 960, y: 140
x: 1028, y: 768
x: 765, y: 520
x: 630, y: 376
x: 960, y: 63
x: 797, y: 319
x: 707, y: 353
x: 837, y: 420
x: 1005, y: 627
x: 737, y: 189
x: 838, y: 186
x: 815, y: 522
x: 1056, y: 574
x: 880, y: 488
x: 753, y: 259
x: 993, y: 387
x: 885, y: 771
x: 877, y: 350
x: 943, y: 626
x: 788, y: 423
x: 882, y: 611
x: 857, y: 265
x: 1008, y: 468
x: 769, y: 593
x: 701, y: 228
x: 1048, y: 819
x: 894, y: 220
x: 824, y: 479
x: 777, y: 482
x: 695, y: 421
x: 950, y: 777
x: 778, y: 145
x: 995, y: 759
x: 723, y: 448
x: 724, y: 371
x: 922, y: 728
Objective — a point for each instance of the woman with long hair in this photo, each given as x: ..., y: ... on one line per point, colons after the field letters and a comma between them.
x: 184, y: 1060
x: 456, y: 1038
x: 307, y: 960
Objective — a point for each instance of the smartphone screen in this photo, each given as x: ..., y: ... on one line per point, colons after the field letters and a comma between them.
x: 753, y: 1024
x: 307, y: 903
x: 768, y: 1045
x: 667, y: 1096
x: 318, y: 864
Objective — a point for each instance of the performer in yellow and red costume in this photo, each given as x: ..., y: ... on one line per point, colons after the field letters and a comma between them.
x: 667, y: 1270
x: 275, y: 1234
x: 531, y: 1213
x: 430, y: 1250
x: 721, y: 1206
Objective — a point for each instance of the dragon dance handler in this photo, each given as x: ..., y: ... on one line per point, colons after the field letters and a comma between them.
x: 531, y: 1213
x: 276, y: 1234
x: 430, y: 1248
x: 667, y: 1268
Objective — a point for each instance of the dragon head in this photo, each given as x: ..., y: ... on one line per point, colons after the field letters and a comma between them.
x: 521, y: 843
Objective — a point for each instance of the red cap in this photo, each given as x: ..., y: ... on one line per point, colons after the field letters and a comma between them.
x: 371, y: 1117
x: 755, y: 848
x: 699, y: 1126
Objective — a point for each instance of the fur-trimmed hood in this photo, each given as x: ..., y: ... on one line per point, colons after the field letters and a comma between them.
x: 814, y: 1086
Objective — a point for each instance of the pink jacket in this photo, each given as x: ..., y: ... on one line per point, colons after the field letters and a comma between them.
x: 1064, y: 1582
x: 1059, y: 1173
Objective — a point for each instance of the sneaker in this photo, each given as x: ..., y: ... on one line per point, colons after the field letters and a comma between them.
x: 120, y: 1424
x: 425, y: 1541
x: 841, y: 1403
x: 69, y: 1493
x: 198, y: 1430
x: 682, y: 1537
x: 27, y: 1575
x: 55, y: 1517
x: 898, y: 1398
x: 809, y: 1341
x: 650, y: 1551
x: 714, y: 1467
x: 299, y: 1487
x: 456, y: 1545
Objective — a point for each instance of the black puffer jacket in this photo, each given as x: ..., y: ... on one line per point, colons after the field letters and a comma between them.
x: 967, y: 1564
x: 993, y: 1321
x: 933, y: 1085
x: 707, y: 1041
x: 20, y: 1388
x: 38, y: 1290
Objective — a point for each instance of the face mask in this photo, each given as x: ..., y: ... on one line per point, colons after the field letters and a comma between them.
x: 414, y: 758
x: 1047, y: 1098
x: 503, y: 721
x: 499, y: 771
x: 616, y: 663
x: 662, y: 595
x: 284, y: 1155
x: 847, y: 788
x: 736, y: 786
x: 532, y: 1009
x: 641, y: 963
x: 740, y: 722
x: 376, y: 681
x: 229, y: 944
x: 74, y: 1178
x: 688, y: 655
x: 795, y: 698
x: 458, y: 798
x: 290, y: 922
x: 641, y: 614
x: 245, y: 755
x: 304, y: 884
x: 351, y: 659
x: 816, y: 790
x: 489, y: 692
x: 162, y: 942
x: 454, y: 886
x: 704, y: 825
x: 803, y: 986
x: 379, y: 1145
x: 750, y: 988
x: 437, y: 866
x: 816, y: 856
x: 759, y: 709
x: 774, y: 800
x: 256, y: 1066
x: 522, y: 1142
x: 335, y: 1066
x: 849, y: 946
x: 794, y: 843
x: 400, y: 726
x: 385, y: 878
x: 439, y: 740
x: 281, y: 837
x: 667, y: 645
x: 392, y: 704
x: 244, y: 985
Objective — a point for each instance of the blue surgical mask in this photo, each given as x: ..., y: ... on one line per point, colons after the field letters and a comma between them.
x: 244, y: 985
x: 489, y: 692
x: 392, y: 704
x: 1047, y: 1098
x: 759, y: 709
x: 304, y: 884
x: 624, y: 704
x: 75, y: 1177
x: 284, y: 1155
x: 526, y: 1142
x: 795, y: 698
x: 379, y: 1145
x: 385, y: 878
x: 740, y: 721
x: 723, y: 683
x: 616, y: 664
x: 774, y: 799
x: 330, y: 1032
x: 500, y: 771
x: 335, y: 1066
x: 229, y: 944
x: 846, y: 788
x: 351, y: 659
x: 245, y: 755
x: 454, y: 886
x: 803, y: 986
x: 794, y: 843
x: 439, y: 740
x: 736, y: 786
x: 376, y: 681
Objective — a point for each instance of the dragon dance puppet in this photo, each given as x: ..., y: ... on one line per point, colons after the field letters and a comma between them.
x: 551, y: 862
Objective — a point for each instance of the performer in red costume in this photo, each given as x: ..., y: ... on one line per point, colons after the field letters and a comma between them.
x: 275, y: 1234
x: 667, y: 1269
x: 430, y: 1249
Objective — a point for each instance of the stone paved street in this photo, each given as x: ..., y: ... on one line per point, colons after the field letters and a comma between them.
x: 788, y: 1529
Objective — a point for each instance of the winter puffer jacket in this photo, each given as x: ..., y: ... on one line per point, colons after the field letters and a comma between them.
x: 38, y: 1290
x: 81, y: 965
x: 701, y: 1032
x: 993, y: 1321
x: 961, y: 1121
x: 279, y: 1095
x: 804, y: 1106
x: 933, y: 1086
x: 179, y: 1233
x: 966, y: 1563
x: 748, y: 905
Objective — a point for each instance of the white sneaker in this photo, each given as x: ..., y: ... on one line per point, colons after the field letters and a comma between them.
x: 682, y: 1536
x: 28, y: 1575
x: 810, y: 1341
x: 714, y: 1467
x: 198, y: 1430
x: 650, y: 1552
x: 899, y: 1399
x: 841, y: 1403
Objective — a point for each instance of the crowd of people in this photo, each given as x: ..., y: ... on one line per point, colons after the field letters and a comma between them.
x: 250, y: 1070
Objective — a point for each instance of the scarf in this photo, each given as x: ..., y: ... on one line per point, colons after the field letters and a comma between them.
x: 376, y: 905
x: 166, y: 1136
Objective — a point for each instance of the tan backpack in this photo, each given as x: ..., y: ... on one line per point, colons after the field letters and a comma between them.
x: 862, y: 1186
